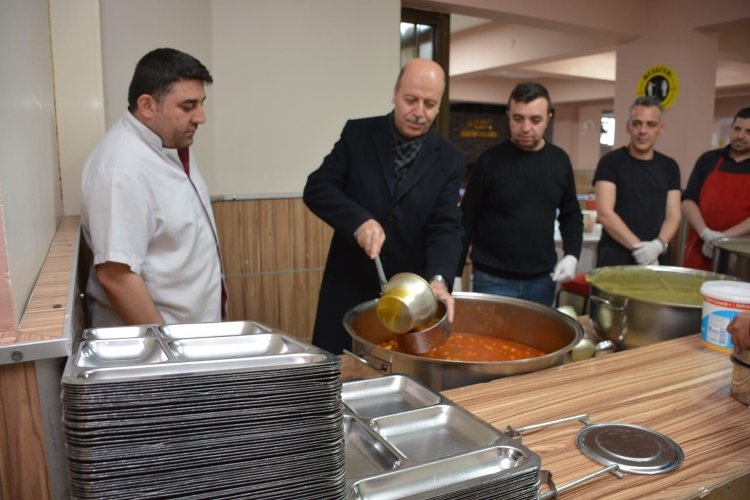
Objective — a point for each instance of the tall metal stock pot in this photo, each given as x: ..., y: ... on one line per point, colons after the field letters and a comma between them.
x: 512, y: 319
x: 732, y: 256
x: 633, y: 306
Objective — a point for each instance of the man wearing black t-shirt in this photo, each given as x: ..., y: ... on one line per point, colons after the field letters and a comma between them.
x: 637, y: 194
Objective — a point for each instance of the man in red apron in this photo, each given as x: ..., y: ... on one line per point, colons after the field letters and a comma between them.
x: 716, y: 202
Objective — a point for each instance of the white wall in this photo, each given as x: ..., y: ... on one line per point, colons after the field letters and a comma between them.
x: 292, y: 72
x: 131, y: 29
x: 29, y: 173
x: 79, y: 96
x: 287, y: 74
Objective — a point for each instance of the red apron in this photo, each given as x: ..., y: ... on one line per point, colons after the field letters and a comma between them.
x: 724, y: 201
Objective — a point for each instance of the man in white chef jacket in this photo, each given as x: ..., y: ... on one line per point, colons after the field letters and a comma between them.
x: 146, y: 212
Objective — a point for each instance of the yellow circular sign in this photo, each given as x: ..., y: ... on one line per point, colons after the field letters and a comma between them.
x: 661, y: 82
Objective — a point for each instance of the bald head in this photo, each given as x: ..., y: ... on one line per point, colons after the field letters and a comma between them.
x: 422, y: 68
x: 416, y: 97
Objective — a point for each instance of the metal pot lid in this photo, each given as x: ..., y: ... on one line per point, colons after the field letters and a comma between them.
x: 634, y: 448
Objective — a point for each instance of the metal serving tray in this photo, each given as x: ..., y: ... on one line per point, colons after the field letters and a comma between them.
x: 261, y: 344
x: 204, y: 330
x: 434, y: 432
x: 161, y: 350
x: 402, y: 440
x: 386, y: 395
x: 441, y: 477
x: 119, y: 332
x: 365, y: 454
x: 126, y: 352
x: 178, y: 330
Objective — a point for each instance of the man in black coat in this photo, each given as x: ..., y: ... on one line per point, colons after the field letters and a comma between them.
x: 389, y: 187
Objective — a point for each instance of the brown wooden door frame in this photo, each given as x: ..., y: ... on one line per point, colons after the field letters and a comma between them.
x: 441, y: 23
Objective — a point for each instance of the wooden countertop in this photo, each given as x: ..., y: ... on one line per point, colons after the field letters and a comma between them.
x: 45, y: 329
x: 677, y: 387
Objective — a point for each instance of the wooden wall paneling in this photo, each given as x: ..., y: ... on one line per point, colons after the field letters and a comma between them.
x: 237, y: 302
x: 302, y: 243
x: 273, y: 252
x: 274, y: 299
x: 275, y: 235
x: 225, y: 230
x: 304, y: 297
x: 247, y: 254
x: 279, y: 297
x: 236, y: 223
x: 318, y: 236
x: 254, y: 307
x: 23, y: 470
x: 256, y: 291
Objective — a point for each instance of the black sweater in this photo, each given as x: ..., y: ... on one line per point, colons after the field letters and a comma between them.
x: 510, y: 206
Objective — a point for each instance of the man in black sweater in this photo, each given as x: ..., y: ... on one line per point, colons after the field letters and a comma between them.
x: 517, y: 190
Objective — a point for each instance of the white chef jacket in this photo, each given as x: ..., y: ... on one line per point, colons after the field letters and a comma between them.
x: 140, y: 208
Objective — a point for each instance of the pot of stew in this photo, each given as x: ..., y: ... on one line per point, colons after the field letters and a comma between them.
x: 492, y: 337
x: 633, y: 306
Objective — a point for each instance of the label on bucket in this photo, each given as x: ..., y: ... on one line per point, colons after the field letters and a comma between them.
x: 722, y: 301
x: 714, y: 330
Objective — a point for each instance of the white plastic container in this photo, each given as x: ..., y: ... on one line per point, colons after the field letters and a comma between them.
x: 722, y: 301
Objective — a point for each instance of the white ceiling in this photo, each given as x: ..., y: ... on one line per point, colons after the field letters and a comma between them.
x: 732, y: 76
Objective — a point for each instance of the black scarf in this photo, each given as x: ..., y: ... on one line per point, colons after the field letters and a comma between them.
x: 404, y: 153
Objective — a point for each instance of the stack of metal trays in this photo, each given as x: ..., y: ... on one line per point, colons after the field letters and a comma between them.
x: 220, y: 410
x: 405, y: 441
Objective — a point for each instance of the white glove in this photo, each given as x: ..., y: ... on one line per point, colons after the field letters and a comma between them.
x: 709, y: 237
x: 647, y: 252
x: 565, y: 270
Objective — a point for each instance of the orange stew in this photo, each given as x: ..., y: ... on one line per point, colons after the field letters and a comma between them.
x: 476, y: 347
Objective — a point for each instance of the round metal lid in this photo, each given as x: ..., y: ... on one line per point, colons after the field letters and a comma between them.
x: 634, y: 448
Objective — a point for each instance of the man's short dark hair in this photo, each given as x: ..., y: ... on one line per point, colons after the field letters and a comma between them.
x: 529, y: 91
x: 743, y: 114
x: 158, y: 70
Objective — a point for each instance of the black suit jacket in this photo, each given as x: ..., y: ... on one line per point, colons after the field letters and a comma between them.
x: 421, y: 219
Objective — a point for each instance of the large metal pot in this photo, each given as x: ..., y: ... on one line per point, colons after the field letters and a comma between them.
x: 512, y: 319
x: 732, y: 256
x: 629, y: 307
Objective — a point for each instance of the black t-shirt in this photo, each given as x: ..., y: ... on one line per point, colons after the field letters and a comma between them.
x: 641, y: 201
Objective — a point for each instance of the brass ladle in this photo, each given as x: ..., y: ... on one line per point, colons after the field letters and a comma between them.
x: 406, y: 307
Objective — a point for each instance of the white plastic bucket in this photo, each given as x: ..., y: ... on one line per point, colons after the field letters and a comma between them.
x: 722, y: 301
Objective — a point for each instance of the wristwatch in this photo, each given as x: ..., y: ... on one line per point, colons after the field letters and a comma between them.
x: 438, y: 278
x: 664, y: 246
